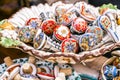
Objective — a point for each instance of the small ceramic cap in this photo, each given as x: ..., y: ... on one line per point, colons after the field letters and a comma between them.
x: 26, y: 34
x: 39, y: 39
x: 97, y: 31
x: 79, y: 25
x: 85, y: 12
x: 48, y: 26
x: 66, y: 18
x: 60, y: 9
x: 69, y: 45
x: 87, y: 41
x: 104, y: 22
x: 61, y: 32
x: 46, y: 15
x: 110, y: 71
x: 34, y: 22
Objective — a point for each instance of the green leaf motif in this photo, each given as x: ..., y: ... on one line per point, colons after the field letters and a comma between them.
x: 8, y: 42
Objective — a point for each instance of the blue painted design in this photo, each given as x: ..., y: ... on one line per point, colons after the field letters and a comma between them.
x: 74, y: 76
x: 34, y: 24
x: 110, y: 71
x: 70, y: 47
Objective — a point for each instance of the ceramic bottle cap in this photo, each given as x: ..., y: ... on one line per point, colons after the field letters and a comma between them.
x: 60, y: 9
x: 69, y: 45
x: 28, y: 68
x: 26, y: 34
x: 104, y: 22
x: 48, y: 26
x: 97, y: 31
x: 34, y: 22
x: 42, y: 42
x: 79, y: 25
x: 110, y: 71
x: 85, y: 13
x: 87, y: 41
x: 39, y: 39
x: 61, y: 32
x: 46, y: 15
x: 66, y: 18
x: 8, y: 61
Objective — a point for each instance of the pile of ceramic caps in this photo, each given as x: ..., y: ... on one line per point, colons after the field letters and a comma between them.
x: 37, y: 70
x: 66, y: 27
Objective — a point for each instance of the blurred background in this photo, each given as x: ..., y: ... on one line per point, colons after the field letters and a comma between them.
x: 9, y: 7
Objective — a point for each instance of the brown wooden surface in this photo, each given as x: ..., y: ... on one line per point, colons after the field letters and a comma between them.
x: 13, y: 53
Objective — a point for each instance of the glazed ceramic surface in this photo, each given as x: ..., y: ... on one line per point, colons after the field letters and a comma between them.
x: 74, y: 76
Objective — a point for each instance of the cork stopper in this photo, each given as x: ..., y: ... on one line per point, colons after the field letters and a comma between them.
x: 31, y: 60
x: 8, y: 61
x: 27, y: 69
x: 17, y: 77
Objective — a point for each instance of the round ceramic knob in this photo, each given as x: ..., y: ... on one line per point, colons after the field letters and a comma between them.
x: 69, y: 45
x: 48, y: 26
x: 39, y: 39
x: 42, y: 42
x: 61, y: 32
x: 60, y: 9
x: 26, y: 34
x: 34, y: 22
x: 87, y: 41
x: 79, y: 25
x: 86, y: 13
x: 46, y: 15
x: 97, y: 31
x: 66, y: 18
x: 28, y: 68
x: 110, y: 72
x: 104, y: 22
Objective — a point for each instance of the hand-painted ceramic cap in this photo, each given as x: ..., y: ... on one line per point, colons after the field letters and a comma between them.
x: 66, y: 18
x: 110, y: 72
x: 69, y: 45
x: 26, y: 34
x: 104, y: 22
x: 48, y: 26
x: 60, y: 9
x: 84, y: 14
x: 46, y: 15
x: 97, y: 31
x: 39, y: 39
x: 34, y: 22
x: 79, y: 25
x: 87, y: 41
x: 42, y: 42
x: 61, y: 32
